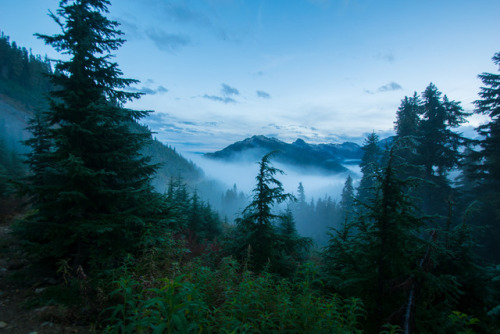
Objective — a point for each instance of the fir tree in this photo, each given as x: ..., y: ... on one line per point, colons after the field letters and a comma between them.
x: 381, y: 258
x: 439, y: 147
x: 407, y: 116
x: 488, y: 172
x: 95, y: 200
x: 347, y: 200
x: 370, y: 164
x: 256, y: 228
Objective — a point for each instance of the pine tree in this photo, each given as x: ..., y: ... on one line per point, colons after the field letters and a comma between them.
x: 292, y: 247
x: 407, y: 116
x: 370, y: 164
x: 383, y: 258
x: 489, y: 155
x: 256, y: 227
x: 439, y: 147
x: 347, y: 200
x: 96, y: 197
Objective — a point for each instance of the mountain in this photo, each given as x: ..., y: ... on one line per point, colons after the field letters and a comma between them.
x: 327, y: 158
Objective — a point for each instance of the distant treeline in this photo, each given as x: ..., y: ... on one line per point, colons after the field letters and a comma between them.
x: 23, y: 75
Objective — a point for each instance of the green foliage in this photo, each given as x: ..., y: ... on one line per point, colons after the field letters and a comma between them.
x: 23, y: 75
x: 370, y: 166
x: 462, y: 323
x: 222, y: 300
x: 257, y: 236
x: 487, y: 173
x: 152, y: 310
x: 90, y: 188
x: 347, y: 200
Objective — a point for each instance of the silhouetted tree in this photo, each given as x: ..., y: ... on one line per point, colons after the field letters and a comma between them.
x: 488, y: 172
x: 370, y: 165
x: 256, y: 227
x: 97, y: 200
x: 439, y: 147
x: 347, y: 200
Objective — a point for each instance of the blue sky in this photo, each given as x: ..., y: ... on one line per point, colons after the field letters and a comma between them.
x: 217, y: 71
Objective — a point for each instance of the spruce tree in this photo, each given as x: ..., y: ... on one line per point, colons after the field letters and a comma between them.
x: 439, y: 147
x: 94, y: 203
x: 407, y: 116
x: 370, y: 165
x: 347, y: 200
x: 257, y: 227
x: 385, y: 257
x: 488, y: 172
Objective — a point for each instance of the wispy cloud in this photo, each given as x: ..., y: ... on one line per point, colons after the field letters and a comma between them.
x: 225, y: 96
x: 181, y: 12
x: 227, y: 90
x: 391, y: 86
x: 262, y: 94
x: 168, y: 42
x: 148, y: 90
x: 185, y: 12
x: 225, y: 100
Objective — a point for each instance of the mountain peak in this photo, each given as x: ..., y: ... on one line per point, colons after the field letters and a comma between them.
x: 300, y: 142
x: 309, y: 157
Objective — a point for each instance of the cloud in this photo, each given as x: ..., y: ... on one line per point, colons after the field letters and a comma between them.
x: 225, y: 100
x: 184, y: 13
x: 161, y: 89
x: 148, y: 91
x: 131, y: 29
x: 181, y: 12
x: 391, y: 86
x: 168, y: 42
x: 263, y: 94
x: 228, y: 90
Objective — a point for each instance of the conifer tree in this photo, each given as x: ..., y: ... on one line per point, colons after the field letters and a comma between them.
x: 381, y: 258
x: 370, y: 164
x: 488, y: 172
x: 407, y: 116
x: 347, y: 199
x: 94, y: 205
x: 439, y: 147
x: 256, y: 227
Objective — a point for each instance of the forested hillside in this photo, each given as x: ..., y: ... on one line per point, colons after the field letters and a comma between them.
x: 103, y: 246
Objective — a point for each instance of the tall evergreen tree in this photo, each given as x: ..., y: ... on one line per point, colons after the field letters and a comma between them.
x: 370, y: 165
x: 257, y: 228
x: 347, y: 200
x: 407, y: 140
x: 489, y: 155
x: 407, y: 116
x: 383, y: 258
x: 94, y: 206
x: 439, y: 147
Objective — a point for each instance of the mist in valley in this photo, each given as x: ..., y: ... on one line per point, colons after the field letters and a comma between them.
x: 230, y: 187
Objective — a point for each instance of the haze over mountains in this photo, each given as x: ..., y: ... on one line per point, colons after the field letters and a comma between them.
x: 302, y: 156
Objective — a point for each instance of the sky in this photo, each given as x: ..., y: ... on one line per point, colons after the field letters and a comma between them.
x: 218, y: 71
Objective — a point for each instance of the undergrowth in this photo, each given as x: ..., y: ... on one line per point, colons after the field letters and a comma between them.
x: 175, y: 295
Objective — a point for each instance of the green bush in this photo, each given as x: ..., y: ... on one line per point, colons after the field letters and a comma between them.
x: 224, y: 300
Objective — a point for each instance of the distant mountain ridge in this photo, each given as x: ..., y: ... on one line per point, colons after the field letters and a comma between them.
x: 299, y: 154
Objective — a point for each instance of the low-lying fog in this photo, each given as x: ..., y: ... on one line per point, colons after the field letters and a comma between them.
x: 243, y: 175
